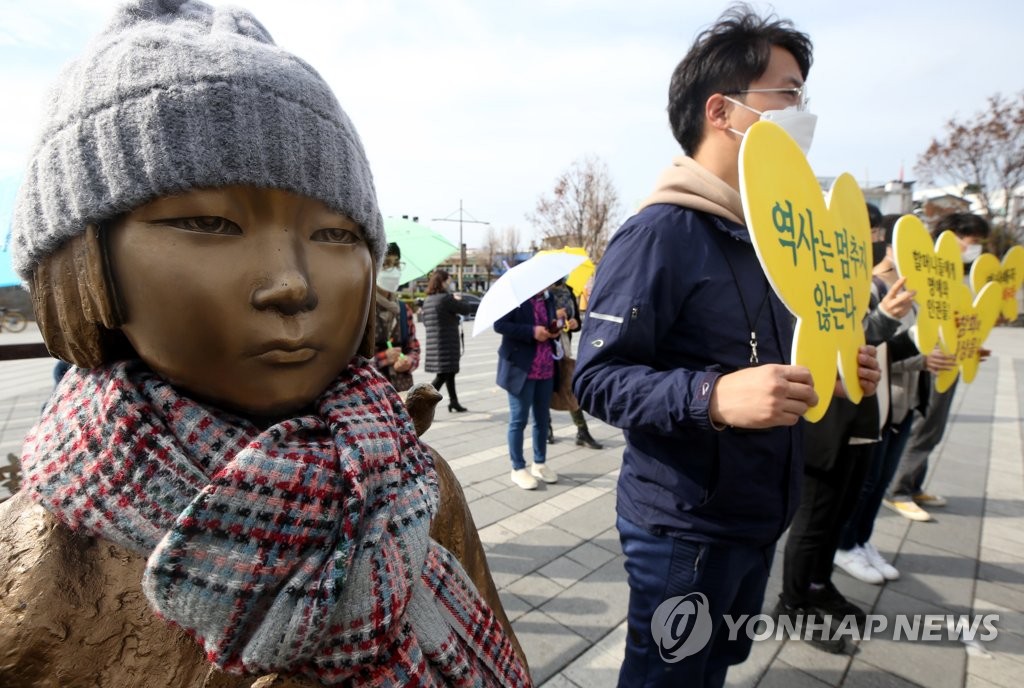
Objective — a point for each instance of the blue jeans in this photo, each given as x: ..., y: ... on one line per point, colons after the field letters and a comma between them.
x: 659, y: 566
x: 536, y: 395
x: 861, y: 523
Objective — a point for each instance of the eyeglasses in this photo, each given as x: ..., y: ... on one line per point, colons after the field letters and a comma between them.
x: 797, y: 93
x: 392, y: 263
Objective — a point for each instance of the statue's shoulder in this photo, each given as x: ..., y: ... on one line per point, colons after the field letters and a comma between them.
x: 73, y: 613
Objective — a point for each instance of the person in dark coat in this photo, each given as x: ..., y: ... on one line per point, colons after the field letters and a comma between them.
x: 440, y: 314
x: 687, y: 349
x: 527, y: 371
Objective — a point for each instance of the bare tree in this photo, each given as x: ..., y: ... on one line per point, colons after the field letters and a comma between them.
x: 582, y: 209
x: 492, y: 249
x: 985, y: 154
x: 511, y: 242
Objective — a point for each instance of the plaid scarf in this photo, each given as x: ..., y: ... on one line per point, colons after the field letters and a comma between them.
x: 301, y: 548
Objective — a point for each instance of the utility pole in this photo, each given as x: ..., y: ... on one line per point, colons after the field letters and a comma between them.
x: 462, y: 246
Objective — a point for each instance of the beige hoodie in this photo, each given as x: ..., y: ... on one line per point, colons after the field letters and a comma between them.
x: 690, y: 185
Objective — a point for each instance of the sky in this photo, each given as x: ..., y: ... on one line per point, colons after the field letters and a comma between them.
x: 487, y: 102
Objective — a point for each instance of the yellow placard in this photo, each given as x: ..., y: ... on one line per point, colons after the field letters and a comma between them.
x: 817, y: 256
x: 973, y: 320
x: 933, y: 271
x: 1009, y: 275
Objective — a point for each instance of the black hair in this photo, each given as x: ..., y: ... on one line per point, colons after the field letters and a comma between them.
x: 393, y: 250
x: 963, y: 225
x: 726, y: 58
x: 889, y: 225
x: 874, y: 216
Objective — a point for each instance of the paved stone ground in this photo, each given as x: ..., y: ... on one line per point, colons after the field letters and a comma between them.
x: 555, y: 554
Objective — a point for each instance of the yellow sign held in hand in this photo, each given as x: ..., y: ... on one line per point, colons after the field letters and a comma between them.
x: 933, y: 271
x: 973, y: 321
x: 817, y: 257
x: 1009, y: 275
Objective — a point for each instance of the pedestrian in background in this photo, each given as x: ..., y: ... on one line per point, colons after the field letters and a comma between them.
x: 396, y: 349
x: 527, y: 371
x: 567, y: 311
x: 440, y: 314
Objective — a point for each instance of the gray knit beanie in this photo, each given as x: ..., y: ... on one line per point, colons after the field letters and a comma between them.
x: 177, y: 95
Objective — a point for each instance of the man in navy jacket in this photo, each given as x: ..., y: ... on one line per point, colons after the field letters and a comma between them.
x: 686, y: 348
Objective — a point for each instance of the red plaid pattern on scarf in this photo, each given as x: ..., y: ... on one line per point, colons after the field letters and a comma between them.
x: 300, y: 548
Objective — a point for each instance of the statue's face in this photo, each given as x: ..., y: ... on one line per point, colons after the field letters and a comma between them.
x: 250, y: 299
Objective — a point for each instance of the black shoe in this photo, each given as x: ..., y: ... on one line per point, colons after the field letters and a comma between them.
x: 583, y: 439
x: 458, y: 409
x: 798, y: 616
x: 831, y: 601
x: 551, y: 434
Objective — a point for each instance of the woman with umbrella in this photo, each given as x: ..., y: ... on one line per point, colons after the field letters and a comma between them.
x: 440, y: 313
x: 527, y: 371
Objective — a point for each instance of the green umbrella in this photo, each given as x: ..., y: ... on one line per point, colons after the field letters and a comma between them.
x: 422, y: 248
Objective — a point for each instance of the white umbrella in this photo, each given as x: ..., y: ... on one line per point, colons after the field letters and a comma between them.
x: 522, y: 282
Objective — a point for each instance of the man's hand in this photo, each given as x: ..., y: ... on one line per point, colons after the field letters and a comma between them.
x: 402, y: 365
x: 762, y: 397
x: 937, y: 361
x: 540, y: 333
x: 897, y: 301
x: 868, y: 370
x: 392, y: 355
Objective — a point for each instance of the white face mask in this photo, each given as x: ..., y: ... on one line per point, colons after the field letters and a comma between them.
x: 971, y: 253
x: 799, y: 124
x: 388, y: 279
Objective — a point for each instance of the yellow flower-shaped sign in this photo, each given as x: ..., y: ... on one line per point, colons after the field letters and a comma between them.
x: 1009, y: 275
x: 932, y: 271
x: 973, y: 322
x: 817, y: 257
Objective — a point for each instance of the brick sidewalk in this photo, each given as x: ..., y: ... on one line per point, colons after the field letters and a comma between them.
x: 555, y: 557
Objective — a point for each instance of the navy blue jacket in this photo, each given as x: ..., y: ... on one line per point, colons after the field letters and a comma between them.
x: 518, y: 347
x: 665, y: 321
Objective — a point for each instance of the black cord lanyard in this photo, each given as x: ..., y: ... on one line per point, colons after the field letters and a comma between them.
x: 751, y: 324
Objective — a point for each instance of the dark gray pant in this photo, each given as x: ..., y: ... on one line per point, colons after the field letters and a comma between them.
x: 925, y: 435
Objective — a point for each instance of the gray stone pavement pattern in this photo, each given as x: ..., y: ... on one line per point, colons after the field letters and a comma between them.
x: 555, y: 555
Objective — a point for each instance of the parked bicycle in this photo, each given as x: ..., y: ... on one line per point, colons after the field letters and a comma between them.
x: 12, y: 320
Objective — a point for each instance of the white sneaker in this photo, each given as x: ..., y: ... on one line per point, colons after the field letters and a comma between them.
x: 856, y: 564
x: 541, y: 470
x: 523, y: 479
x: 878, y: 562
